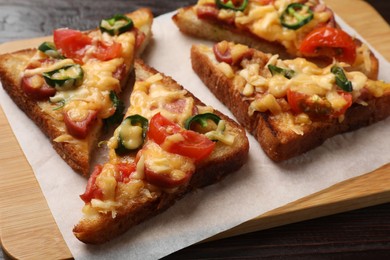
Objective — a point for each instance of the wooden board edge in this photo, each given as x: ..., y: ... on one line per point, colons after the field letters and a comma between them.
x: 370, y: 18
x: 24, y: 209
x: 341, y: 197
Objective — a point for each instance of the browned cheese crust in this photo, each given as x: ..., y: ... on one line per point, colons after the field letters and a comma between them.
x: 223, y: 160
x: 188, y: 22
x: 276, y: 143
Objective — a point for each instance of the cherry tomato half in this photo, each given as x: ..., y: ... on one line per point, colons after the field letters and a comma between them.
x: 106, y: 52
x: 329, y: 42
x: 192, y: 145
x: 302, y: 103
x: 125, y: 170
x: 71, y: 43
x: 160, y: 128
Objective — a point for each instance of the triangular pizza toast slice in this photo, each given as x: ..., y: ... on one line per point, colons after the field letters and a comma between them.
x: 168, y: 144
x: 290, y: 106
x: 289, y: 28
x: 70, y: 87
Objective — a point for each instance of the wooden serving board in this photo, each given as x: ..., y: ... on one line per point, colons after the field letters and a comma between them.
x: 28, y: 229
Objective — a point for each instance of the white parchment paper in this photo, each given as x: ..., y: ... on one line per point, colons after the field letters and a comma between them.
x: 258, y: 187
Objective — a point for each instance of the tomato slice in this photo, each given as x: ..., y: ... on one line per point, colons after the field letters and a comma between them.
x: 125, y: 170
x: 160, y: 128
x: 329, y: 42
x: 106, y: 52
x: 294, y: 99
x: 192, y: 144
x: 302, y: 103
x: 312, y: 105
x: 38, y: 92
x: 71, y: 43
x: 80, y: 129
x: 92, y: 191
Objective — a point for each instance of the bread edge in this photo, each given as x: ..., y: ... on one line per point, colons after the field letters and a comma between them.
x: 276, y: 146
x: 188, y: 23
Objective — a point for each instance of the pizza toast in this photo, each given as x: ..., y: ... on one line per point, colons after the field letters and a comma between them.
x: 290, y: 106
x: 272, y: 27
x: 157, y: 168
x: 97, y: 63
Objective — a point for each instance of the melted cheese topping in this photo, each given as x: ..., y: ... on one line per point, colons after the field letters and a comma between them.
x: 152, y: 96
x: 161, y: 162
x: 99, y: 79
x: 267, y: 92
x: 263, y: 21
x: 149, y: 97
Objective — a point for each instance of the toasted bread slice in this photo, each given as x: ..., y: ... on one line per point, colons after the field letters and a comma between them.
x: 290, y: 106
x: 100, y: 78
x: 150, y: 186
x: 259, y: 27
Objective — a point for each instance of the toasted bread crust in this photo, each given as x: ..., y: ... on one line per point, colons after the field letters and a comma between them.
x: 189, y: 23
x: 76, y: 154
x: 221, y: 162
x: 11, y: 66
x: 278, y: 145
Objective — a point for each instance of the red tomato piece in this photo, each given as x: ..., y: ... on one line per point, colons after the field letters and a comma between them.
x: 125, y: 169
x: 80, y: 129
x: 193, y: 145
x: 330, y: 42
x: 41, y: 92
x: 92, y: 191
x: 106, y: 52
x: 294, y: 100
x: 72, y: 43
x: 160, y: 128
x: 300, y: 102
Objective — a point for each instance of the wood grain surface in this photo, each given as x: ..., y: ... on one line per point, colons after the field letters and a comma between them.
x: 363, y: 233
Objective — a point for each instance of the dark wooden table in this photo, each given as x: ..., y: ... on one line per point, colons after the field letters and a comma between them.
x: 361, y: 234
